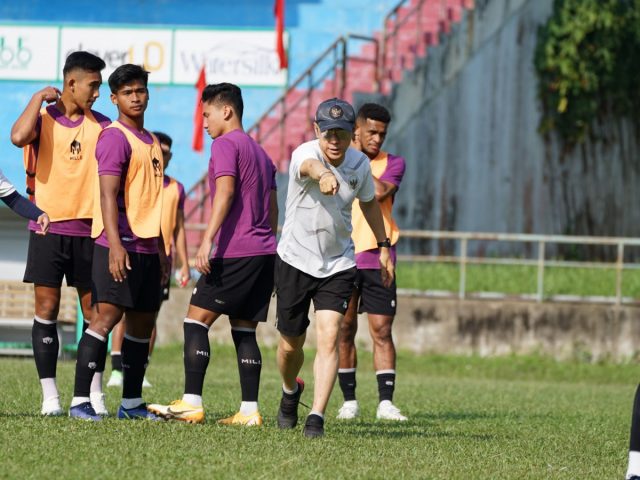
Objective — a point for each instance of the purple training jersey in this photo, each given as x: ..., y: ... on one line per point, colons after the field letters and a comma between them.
x: 246, y: 231
x: 75, y: 228
x: 113, y: 153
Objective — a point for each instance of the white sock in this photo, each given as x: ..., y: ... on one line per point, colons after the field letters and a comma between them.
x: 128, y: 403
x: 96, y: 382
x: 191, y: 399
x: 634, y: 464
x: 75, y: 401
x: 247, y: 408
x: 315, y: 412
x: 290, y: 392
x: 49, y: 388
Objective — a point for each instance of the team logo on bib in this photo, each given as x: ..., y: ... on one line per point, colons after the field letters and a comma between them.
x: 353, y: 182
x: 76, y: 150
x: 157, y: 171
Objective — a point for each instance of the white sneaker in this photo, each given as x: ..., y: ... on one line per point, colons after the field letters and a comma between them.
x: 115, y: 380
x: 388, y: 411
x: 349, y: 410
x: 51, y: 407
x: 146, y: 383
x: 97, y: 402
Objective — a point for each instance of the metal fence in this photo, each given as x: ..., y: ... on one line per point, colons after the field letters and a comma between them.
x: 541, y: 262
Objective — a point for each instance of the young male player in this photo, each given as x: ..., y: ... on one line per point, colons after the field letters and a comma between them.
x: 172, y: 227
x: 129, y: 258
x: 59, y: 150
x: 374, y: 298
x: 316, y: 258
x: 237, y: 276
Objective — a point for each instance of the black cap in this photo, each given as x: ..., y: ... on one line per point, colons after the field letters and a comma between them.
x: 335, y: 113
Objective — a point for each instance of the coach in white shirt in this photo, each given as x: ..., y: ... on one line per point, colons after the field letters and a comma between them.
x: 316, y: 255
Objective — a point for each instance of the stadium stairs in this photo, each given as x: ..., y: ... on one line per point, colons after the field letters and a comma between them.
x: 378, y: 63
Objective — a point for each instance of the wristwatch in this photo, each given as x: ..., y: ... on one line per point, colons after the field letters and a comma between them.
x: 385, y: 244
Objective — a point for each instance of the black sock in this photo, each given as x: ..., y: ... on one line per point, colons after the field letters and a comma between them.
x: 44, y: 339
x: 196, y: 357
x: 249, y: 363
x: 134, y: 365
x: 634, y: 440
x: 116, y: 361
x: 386, y: 385
x: 347, y: 382
x: 90, y: 352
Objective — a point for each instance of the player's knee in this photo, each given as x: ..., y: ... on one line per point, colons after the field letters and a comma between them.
x: 47, y: 307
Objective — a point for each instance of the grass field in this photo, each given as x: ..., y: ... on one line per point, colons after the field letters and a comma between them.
x: 517, y: 279
x: 510, y: 417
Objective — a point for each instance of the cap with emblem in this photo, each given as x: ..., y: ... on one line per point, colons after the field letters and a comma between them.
x: 335, y: 113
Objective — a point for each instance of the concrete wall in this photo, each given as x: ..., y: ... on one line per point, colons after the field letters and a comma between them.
x: 466, y: 120
x: 585, y: 332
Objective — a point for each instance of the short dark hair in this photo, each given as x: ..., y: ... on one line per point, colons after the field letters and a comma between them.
x: 82, y: 61
x: 224, y: 93
x: 127, y: 73
x: 164, y: 138
x: 373, y: 111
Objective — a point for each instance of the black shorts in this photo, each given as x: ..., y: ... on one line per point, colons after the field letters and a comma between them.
x: 375, y: 298
x: 296, y: 289
x: 238, y: 287
x: 51, y: 257
x: 139, y: 292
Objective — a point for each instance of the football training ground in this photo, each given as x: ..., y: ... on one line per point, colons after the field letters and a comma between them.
x: 469, y: 417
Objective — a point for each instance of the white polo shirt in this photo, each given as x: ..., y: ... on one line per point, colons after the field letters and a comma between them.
x: 6, y: 188
x: 316, y: 236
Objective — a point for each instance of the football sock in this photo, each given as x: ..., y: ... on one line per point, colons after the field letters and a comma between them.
x: 44, y: 338
x: 91, y: 349
x: 347, y: 380
x: 49, y: 388
x: 386, y: 384
x: 634, y: 464
x: 247, y: 408
x: 249, y: 362
x: 196, y: 355
x: 290, y: 392
x: 116, y: 361
x: 134, y: 364
x: 195, y: 400
x: 128, y: 403
x: 315, y: 412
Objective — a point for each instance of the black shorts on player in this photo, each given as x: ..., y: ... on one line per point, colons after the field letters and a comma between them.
x: 52, y: 257
x: 296, y: 289
x: 238, y: 287
x: 375, y: 298
x: 138, y: 292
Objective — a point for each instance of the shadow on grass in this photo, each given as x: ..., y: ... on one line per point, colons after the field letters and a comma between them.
x: 459, y: 416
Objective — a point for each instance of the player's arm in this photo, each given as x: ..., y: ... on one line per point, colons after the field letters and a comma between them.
x: 373, y: 216
x: 180, y: 239
x: 23, y: 131
x: 165, y: 266
x: 28, y: 210
x: 118, y: 256
x: 317, y: 171
x: 222, y: 200
x: 383, y: 189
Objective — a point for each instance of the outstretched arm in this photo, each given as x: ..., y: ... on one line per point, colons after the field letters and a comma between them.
x: 26, y: 209
x: 24, y: 131
x: 222, y: 200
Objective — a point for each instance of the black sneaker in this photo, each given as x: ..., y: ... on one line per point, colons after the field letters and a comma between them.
x: 314, y: 426
x: 288, y: 411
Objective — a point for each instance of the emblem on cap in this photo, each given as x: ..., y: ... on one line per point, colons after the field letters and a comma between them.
x: 335, y: 112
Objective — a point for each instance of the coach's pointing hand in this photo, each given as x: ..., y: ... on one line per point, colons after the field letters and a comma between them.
x: 118, y: 263
x: 328, y: 183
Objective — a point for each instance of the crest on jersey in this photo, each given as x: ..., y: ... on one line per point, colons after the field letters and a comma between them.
x: 336, y: 112
x: 353, y: 182
x: 157, y: 171
x: 76, y: 150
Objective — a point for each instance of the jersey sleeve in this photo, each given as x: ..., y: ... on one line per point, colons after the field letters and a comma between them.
x: 113, y: 152
x: 225, y: 158
x: 299, y: 155
x: 394, y: 172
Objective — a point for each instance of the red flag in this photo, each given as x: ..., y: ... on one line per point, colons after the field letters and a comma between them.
x: 198, y: 121
x: 278, y: 11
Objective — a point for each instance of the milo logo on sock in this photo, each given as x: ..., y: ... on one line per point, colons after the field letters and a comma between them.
x: 47, y: 340
x: 92, y: 365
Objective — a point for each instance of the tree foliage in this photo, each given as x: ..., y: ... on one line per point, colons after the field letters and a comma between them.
x: 588, y: 62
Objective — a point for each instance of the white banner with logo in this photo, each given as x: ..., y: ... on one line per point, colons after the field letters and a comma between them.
x: 173, y: 56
